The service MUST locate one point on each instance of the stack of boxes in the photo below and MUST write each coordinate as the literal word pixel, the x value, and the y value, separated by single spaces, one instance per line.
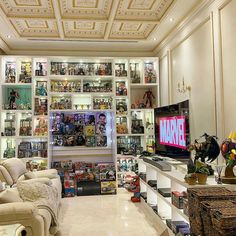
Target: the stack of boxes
pixel 84 178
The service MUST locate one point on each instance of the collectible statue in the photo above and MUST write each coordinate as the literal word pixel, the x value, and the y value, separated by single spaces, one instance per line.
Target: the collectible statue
pixel 12 99
pixel 148 96
pixel 208 149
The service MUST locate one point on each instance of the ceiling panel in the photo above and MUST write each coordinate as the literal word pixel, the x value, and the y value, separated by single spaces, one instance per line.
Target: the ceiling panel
pixel 27 8
pixel 84 29
pixel 35 28
pixel 131 30
pixel 142 9
pixel 85 9
pixel 134 23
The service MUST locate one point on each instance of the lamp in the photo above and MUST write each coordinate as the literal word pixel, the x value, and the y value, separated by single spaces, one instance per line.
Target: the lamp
pixel 182 87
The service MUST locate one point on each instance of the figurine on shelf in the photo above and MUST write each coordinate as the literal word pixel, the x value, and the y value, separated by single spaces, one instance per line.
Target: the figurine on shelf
pixel 41 89
pixel 148 95
pixel 12 99
pixel 133 185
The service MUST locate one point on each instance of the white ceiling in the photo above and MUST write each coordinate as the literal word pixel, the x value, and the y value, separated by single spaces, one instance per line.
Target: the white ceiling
pixel 88 27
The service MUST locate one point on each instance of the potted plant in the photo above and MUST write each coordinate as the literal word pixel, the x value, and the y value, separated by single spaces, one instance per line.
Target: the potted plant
pixel 191 178
pixel 202 173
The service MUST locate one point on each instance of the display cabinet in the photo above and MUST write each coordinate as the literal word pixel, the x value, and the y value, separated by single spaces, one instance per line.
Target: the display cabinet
pixel 37 91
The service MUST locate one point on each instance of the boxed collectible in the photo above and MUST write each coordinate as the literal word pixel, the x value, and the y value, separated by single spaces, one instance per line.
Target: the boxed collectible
pixel 121 88
pixel 177 225
pixel 25 73
pixel 152 183
pixel 177 199
pixel 149 73
pixel 10 72
pixel 88 188
pixel 120 70
pixel 108 187
pixel 41 68
pixel 41 88
pixel 135 74
pixel 165 192
pixel 9 125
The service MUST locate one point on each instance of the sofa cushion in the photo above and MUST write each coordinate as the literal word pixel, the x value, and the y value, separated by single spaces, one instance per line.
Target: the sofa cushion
pixel 29 175
pixel 15 168
pixel 5 176
pixel 10 195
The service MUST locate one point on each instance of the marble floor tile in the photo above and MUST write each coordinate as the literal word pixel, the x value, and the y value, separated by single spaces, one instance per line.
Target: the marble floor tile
pixel 107 215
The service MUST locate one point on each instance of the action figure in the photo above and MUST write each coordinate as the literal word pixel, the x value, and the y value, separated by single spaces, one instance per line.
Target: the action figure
pixel 12 99
pixel 133 185
pixel 149 96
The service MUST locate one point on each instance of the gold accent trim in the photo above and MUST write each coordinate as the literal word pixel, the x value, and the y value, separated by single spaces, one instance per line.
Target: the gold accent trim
pixel 26 5
pixel 74 5
pixel 39 27
pixel 135 8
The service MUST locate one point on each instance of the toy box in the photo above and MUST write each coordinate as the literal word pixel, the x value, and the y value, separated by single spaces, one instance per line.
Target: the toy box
pixel 177 199
pixel 108 187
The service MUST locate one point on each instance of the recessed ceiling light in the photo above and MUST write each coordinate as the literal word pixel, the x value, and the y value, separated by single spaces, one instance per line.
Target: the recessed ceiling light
pixel 8 36
pixel 155 39
pixel 171 19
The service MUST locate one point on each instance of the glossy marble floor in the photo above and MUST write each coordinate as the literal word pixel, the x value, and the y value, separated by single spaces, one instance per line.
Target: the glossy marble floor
pixel 110 215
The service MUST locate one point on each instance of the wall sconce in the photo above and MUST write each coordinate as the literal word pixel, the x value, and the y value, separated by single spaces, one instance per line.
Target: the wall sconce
pixel 182 87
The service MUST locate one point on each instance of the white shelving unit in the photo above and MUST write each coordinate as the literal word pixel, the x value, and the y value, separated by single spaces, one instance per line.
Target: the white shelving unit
pixel 130 78
pixel 21 78
pixel 174 180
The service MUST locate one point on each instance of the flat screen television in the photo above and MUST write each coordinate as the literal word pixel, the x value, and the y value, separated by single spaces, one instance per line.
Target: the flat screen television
pixel 172 131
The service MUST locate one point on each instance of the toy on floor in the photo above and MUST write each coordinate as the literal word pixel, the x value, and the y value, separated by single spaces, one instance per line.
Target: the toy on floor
pixel 133 185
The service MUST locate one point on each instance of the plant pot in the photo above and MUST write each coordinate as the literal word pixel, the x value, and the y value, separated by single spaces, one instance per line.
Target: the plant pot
pixel 202 178
pixel 191 181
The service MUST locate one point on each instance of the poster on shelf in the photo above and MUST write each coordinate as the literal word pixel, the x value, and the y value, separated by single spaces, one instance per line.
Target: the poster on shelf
pixel 101 123
pixel 101 141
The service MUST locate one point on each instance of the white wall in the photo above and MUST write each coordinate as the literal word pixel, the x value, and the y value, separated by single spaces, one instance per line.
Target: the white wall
pixel 228 36
pixel 164 83
pixel 193 60
pixel 203 51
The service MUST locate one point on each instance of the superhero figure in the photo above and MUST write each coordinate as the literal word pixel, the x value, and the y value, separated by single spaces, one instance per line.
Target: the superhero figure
pixel 149 96
pixel 134 187
pixel 12 98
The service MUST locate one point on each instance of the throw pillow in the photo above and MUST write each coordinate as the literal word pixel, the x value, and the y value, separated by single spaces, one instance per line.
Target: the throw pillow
pixel 29 175
pixel 10 195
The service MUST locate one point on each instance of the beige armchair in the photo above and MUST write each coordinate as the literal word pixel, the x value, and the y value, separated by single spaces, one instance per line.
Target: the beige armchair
pixel 13 210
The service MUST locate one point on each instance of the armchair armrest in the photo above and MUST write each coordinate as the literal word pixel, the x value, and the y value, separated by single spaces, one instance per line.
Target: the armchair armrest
pixel 25 214
pixel 17 211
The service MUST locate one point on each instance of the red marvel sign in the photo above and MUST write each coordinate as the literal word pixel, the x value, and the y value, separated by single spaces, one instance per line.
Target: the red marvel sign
pixel 172 131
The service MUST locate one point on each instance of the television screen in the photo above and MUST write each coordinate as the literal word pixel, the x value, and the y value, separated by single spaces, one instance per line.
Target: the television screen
pixel 172 130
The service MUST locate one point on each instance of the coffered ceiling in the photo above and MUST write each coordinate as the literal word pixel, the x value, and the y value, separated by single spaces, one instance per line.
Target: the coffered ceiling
pixel 130 22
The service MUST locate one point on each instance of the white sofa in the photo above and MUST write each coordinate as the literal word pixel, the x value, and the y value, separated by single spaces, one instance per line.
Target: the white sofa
pixel 14 210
